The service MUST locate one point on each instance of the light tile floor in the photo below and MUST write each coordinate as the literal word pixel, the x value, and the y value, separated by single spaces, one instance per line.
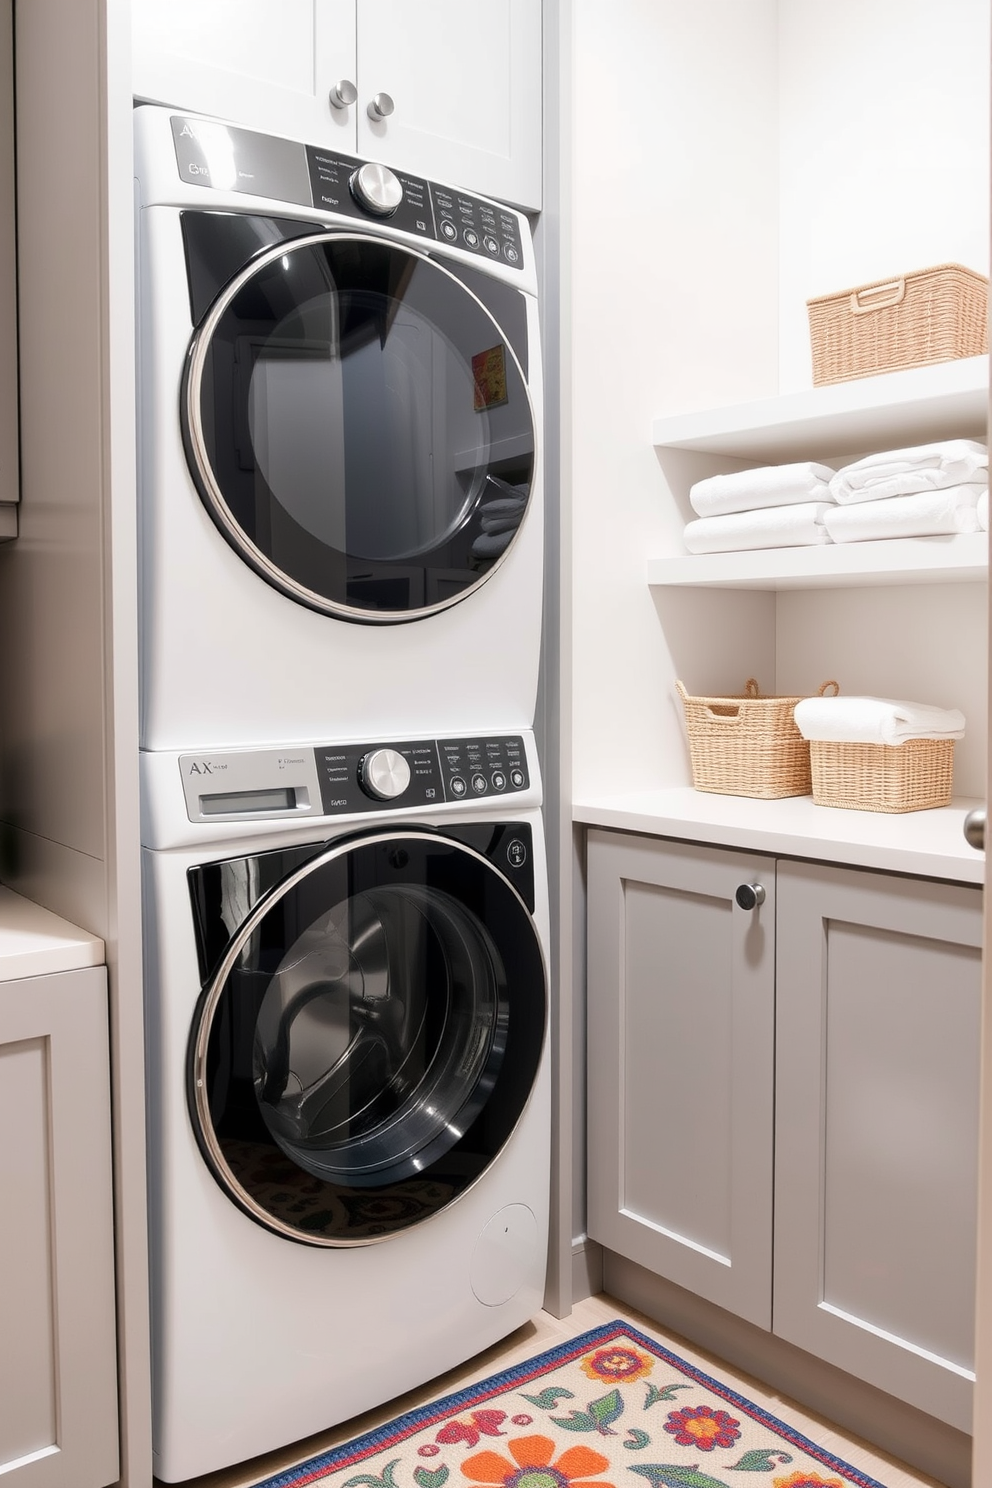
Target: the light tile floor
pixel 545 1332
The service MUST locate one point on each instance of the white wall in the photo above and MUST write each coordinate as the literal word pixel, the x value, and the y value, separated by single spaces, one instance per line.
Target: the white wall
pixel 674 289
pixel 884 149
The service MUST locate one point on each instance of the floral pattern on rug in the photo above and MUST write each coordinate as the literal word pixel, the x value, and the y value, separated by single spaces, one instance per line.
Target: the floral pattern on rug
pixel 609 1409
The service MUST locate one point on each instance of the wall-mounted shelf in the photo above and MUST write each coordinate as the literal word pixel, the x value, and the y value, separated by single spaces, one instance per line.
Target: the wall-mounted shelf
pixel 894 410
pixel 902 560
pixel 928 844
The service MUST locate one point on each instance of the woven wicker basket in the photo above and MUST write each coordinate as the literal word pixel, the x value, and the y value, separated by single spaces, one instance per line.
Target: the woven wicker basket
pixel 933 315
pixel 746 744
pixel 915 776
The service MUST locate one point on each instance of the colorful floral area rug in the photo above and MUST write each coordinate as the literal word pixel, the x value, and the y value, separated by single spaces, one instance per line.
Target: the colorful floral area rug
pixel 609 1409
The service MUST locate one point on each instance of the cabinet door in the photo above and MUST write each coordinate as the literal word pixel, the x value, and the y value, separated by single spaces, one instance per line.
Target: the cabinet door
pixel 58 1369
pixel 879 989
pixel 466 84
pixel 681 1032
pixel 267 67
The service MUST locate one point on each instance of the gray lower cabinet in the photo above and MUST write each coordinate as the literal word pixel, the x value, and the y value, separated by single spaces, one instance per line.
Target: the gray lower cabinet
pixel 58 1368
pixel 831 1034
pixel 876 1153
pixel 681 1066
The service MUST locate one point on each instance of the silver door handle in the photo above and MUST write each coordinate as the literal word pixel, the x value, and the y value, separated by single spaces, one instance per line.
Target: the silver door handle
pixel 380 108
pixel 749 896
pixel 974 828
pixel 343 94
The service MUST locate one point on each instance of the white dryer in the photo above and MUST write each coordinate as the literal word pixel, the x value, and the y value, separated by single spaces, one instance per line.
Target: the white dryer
pixel 348 1078
pixel 340 474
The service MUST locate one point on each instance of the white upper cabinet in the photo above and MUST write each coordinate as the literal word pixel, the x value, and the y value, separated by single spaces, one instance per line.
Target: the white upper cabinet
pixel 463 81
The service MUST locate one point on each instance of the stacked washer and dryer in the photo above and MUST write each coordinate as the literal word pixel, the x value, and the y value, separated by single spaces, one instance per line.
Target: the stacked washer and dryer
pixel 345 876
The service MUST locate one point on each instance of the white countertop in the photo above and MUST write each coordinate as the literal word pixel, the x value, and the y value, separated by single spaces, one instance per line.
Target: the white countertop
pixel 36 942
pixel 926 843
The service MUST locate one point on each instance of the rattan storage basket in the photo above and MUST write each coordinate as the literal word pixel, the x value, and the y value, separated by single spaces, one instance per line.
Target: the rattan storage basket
pixel 933 315
pixel 914 776
pixel 746 744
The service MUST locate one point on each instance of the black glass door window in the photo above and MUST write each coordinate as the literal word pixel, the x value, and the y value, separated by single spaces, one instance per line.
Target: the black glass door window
pixel 359 427
pixel 369 1040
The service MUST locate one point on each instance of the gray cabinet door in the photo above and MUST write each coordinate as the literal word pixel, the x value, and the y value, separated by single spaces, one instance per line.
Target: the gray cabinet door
pixel 58 1367
pixel 879 989
pixel 681 1030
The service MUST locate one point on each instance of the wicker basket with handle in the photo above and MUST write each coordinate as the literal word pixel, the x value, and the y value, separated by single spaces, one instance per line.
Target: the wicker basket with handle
pixel 913 776
pixel 933 315
pixel 746 744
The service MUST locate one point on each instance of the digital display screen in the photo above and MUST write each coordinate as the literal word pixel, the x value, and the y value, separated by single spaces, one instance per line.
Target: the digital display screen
pixel 243 801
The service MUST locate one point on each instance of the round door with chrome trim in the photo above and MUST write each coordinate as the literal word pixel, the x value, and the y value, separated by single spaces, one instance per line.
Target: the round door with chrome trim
pixel 369 1040
pixel 359 427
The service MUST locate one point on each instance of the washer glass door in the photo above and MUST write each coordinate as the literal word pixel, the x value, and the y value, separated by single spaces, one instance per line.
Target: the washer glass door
pixel 359 427
pixel 369 1040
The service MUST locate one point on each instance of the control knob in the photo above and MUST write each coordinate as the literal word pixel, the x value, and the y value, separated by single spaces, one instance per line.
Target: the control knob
pixel 377 189
pixel 384 774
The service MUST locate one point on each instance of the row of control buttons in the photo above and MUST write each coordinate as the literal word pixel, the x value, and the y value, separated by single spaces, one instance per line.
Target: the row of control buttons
pixel 458 786
pixel 471 240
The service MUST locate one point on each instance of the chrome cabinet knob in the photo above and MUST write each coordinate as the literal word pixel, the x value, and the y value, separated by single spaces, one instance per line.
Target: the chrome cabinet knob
pixel 384 774
pixel 749 896
pixel 380 108
pixel 974 828
pixel 343 94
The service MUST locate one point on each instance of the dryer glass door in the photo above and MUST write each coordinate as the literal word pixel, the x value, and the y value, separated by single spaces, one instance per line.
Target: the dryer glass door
pixel 359 427
pixel 370 1039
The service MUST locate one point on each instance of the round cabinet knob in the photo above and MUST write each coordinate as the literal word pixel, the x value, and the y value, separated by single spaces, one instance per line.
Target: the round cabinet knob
pixel 384 774
pixel 343 94
pixel 375 188
pixel 974 828
pixel 380 108
pixel 749 896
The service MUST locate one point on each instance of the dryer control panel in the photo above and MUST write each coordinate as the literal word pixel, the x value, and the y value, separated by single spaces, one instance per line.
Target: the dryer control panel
pixel 227 158
pixel 352 779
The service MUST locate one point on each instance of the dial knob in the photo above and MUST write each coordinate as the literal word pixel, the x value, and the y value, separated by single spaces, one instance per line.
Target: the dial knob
pixel 375 188
pixel 384 774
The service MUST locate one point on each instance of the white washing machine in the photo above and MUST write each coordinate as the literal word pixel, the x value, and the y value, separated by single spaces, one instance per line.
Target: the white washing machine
pixel 348 1077
pixel 339 466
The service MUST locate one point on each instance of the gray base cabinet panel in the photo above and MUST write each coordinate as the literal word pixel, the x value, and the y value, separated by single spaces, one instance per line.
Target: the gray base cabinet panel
pixel 681 1048
pixel 58 1366
pixel 879 1005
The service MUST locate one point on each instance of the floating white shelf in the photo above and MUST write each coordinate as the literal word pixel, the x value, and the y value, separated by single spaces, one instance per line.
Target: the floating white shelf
pixel 893 410
pixel 928 844
pixel 902 560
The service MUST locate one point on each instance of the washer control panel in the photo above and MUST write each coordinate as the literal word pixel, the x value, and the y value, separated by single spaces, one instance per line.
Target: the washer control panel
pixel 351 779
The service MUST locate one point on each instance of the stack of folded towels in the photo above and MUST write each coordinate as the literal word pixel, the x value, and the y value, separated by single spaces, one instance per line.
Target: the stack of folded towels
pixel 778 506
pixel 926 491
pixel 929 490
pixel 873 720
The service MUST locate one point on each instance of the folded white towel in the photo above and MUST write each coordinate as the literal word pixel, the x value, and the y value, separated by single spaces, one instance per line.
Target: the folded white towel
pixel 983 511
pixel 929 514
pixel 925 467
pixel 771 485
pixel 774 527
pixel 872 720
